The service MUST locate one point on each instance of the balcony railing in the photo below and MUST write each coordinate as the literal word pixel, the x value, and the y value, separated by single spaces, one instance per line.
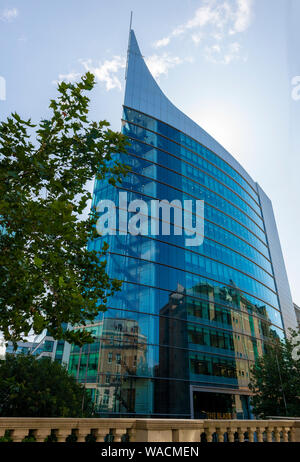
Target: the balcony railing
pixel 148 430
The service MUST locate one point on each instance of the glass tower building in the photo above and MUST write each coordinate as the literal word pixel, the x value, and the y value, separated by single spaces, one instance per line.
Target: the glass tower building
pixel 179 339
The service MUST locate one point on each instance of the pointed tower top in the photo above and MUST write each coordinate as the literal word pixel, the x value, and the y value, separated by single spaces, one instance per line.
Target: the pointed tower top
pixel 132 45
pixel 143 94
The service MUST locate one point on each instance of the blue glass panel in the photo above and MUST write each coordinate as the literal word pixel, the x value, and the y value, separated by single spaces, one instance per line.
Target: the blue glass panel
pixel 182 187
pixel 172 154
pixel 179 137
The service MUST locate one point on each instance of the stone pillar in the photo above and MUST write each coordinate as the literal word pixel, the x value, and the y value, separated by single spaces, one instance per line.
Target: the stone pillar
pixel 220 432
pixel 100 434
pixel 231 433
pixel 277 431
pixel 293 435
pixel 260 431
pixel 250 431
pixel 81 434
pixel 118 433
pixel 41 434
pixel 241 435
pixel 269 434
pixel 62 434
pixel 19 434
pixel 209 435
pixel 285 434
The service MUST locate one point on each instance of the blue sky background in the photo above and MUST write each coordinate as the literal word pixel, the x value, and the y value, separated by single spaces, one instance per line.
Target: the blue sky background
pixel 228 64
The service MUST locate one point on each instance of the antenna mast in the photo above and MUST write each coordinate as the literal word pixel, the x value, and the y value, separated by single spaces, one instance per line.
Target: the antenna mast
pixel 130 26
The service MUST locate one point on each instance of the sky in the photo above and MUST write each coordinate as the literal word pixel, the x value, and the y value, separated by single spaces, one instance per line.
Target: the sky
pixel 233 66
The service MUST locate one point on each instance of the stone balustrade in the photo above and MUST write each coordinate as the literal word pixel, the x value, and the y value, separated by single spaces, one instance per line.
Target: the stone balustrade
pixel 149 430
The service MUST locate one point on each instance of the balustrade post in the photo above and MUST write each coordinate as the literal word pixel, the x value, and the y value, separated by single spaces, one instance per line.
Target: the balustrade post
pixel 250 431
pixel 81 434
pixel 209 435
pixel 285 434
pixel 19 434
pixel 61 434
pixel 118 433
pixel 269 435
pixel 41 434
pixel 230 433
pixel 241 435
pixel 293 435
pixel 260 436
pixel 220 432
pixel 100 434
pixel 277 431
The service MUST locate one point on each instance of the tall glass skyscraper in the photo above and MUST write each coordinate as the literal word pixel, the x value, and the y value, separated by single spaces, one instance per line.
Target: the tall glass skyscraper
pixel 180 337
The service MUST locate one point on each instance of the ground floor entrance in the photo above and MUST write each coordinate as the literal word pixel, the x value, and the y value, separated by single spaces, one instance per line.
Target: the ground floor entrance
pixel 219 405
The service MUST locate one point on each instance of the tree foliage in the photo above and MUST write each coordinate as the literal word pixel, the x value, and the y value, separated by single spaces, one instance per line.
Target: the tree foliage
pixel 275 380
pixel 47 274
pixel 40 388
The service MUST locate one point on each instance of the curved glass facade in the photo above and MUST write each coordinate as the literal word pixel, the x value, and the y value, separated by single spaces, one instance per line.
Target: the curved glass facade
pixel 189 321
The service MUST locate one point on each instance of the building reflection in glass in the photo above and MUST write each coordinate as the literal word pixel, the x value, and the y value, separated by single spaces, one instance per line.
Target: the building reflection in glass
pixel 192 358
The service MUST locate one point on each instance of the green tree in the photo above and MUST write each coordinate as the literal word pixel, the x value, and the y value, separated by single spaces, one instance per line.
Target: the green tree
pixel 47 274
pixel 40 388
pixel 275 380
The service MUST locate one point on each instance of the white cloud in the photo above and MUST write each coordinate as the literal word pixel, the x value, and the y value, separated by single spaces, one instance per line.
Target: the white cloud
pixel 162 43
pixel 197 37
pixel 160 64
pixel 243 16
pixel 204 15
pixel 107 72
pixel 217 36
pixel 232 53
pixel 224 54
pixel 9 14
pixel 215 20
pixel 70 77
